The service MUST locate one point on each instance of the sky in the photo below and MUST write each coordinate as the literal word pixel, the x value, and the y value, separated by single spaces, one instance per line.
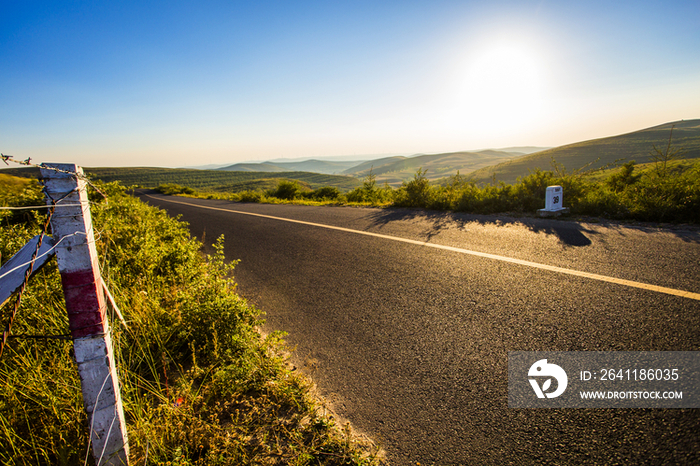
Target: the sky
pixel 178 83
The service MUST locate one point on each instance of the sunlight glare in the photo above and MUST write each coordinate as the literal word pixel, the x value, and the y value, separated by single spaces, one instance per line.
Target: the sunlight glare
pixel 503 83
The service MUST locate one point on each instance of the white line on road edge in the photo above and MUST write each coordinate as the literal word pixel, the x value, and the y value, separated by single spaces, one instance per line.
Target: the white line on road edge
pixel 551 268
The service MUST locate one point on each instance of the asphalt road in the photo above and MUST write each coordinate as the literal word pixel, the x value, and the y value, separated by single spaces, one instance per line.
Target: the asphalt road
pixel 410 342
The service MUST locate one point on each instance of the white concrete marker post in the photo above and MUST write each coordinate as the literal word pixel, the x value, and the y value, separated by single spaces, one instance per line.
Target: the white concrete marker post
pixel 86 306
pixel 553 202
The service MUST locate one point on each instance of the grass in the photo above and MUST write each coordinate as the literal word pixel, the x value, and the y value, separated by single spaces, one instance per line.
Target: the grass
pixel 200 384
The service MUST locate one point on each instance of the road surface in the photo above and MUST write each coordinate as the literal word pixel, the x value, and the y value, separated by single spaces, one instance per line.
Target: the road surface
pixel 404 320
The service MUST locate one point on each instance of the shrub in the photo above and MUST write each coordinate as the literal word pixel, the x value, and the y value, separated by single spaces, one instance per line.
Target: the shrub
pixel 669 197
pixel 173 189
pixel 603 201
pixel 287 190
pixel 621 180
pixel 369 193
pixel 415 193
pixel 249 196
pixel 327 192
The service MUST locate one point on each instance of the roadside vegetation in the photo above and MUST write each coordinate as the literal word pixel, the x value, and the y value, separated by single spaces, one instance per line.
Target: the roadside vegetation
pixel 671 194
pixel 200 384
pixel 666 190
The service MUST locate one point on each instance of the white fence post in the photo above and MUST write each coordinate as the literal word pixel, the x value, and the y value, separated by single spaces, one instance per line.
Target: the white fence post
pixel 86 306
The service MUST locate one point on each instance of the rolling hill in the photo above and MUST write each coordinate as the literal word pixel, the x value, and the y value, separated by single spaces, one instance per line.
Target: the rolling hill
pixel 375 165
pixel 394 170
pixel 203 180
pixel 253 167
pixel 637 145
pixel 316 166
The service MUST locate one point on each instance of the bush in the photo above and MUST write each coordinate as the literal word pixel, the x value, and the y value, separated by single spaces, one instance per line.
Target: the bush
pixel 287 190
pixel 325 193
pixel 249 196
pixel 623 179
pixel 666 198
pixel 173 189
pixel 369 193
pixel 415 193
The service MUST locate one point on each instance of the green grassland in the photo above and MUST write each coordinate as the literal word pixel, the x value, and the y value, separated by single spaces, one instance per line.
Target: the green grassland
pixel 200 384
pixel 599 153
pixel 203 180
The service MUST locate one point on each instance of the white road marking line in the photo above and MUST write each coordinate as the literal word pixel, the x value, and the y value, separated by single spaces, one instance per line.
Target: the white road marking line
pixel 551 268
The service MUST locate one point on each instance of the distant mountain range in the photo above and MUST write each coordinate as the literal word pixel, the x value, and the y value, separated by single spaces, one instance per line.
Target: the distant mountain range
pixel 392 169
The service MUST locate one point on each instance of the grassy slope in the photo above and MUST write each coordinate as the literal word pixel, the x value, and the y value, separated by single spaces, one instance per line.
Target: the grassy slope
pixel 674 167
pixel 600 152
pixel 202 180
pixel 394 170
pixel 375 165
pixel 253 167
pixel 316 166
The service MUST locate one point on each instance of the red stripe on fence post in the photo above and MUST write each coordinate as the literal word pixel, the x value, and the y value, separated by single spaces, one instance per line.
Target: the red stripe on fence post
pixel 86 306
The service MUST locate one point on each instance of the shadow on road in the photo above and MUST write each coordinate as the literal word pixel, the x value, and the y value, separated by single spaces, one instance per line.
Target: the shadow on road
pixel 569 233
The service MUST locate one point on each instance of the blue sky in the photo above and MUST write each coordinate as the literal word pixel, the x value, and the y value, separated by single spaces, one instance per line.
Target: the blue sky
pixel 191 83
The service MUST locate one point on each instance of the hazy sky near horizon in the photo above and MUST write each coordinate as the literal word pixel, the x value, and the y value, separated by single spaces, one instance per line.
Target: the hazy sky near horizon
pixel 190 83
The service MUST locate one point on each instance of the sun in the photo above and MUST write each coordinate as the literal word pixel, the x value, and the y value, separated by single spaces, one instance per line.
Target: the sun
pixel 502 81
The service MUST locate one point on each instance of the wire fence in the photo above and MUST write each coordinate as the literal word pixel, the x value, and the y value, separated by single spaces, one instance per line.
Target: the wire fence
pixel 52 206
pixel 28 162
pixel 8 326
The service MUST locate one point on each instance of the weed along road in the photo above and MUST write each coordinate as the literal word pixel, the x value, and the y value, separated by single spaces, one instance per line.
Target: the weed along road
pixel 405 320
